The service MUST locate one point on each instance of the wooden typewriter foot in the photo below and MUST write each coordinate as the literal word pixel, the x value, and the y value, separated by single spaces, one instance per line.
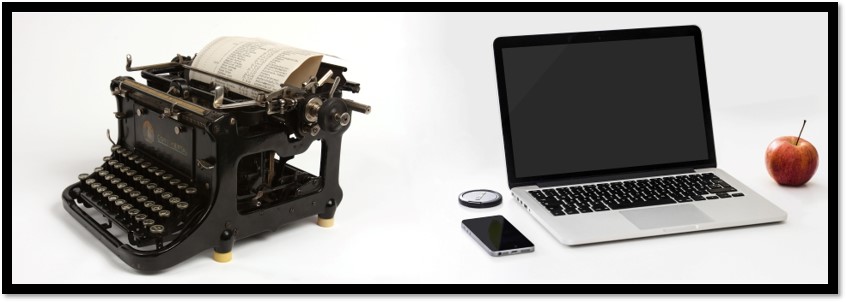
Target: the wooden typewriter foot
pixel 223 250
pixel 222 257
pixel 325 222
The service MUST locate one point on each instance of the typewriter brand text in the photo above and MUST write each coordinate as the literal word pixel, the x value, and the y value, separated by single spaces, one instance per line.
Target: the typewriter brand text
pixel 171 144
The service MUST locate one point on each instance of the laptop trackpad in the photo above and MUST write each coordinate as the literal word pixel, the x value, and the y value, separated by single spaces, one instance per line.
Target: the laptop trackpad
pixel 669 216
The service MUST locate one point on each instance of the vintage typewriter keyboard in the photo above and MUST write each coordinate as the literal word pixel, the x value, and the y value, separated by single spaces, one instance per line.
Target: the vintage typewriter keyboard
pixel 150 203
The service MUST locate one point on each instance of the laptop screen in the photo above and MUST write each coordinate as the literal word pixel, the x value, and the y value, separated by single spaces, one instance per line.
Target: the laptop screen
pixel 603 105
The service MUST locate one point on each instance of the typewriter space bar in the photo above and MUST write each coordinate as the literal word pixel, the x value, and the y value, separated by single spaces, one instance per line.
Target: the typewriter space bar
pixel 628 205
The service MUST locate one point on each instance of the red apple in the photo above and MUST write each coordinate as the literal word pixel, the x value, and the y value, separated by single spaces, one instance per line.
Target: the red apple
pixel 791 160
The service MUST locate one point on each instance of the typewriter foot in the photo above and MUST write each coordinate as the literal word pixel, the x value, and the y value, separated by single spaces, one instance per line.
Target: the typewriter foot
pixel 222 257
pixel 325 222
pixel 223 250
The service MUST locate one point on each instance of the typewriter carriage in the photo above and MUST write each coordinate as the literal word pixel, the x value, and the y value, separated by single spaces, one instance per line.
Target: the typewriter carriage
pixel 225 149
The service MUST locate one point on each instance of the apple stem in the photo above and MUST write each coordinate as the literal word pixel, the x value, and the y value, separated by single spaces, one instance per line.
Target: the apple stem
pixel 800 132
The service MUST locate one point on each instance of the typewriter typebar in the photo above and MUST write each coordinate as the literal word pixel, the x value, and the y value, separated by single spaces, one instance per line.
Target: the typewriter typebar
pixel 197 166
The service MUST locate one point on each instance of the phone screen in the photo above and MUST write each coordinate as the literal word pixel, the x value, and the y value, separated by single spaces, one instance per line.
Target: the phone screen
pixel 497 234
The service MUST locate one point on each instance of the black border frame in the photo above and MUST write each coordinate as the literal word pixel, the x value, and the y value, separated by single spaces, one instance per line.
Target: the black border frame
pixel 596 36
pixel 716 290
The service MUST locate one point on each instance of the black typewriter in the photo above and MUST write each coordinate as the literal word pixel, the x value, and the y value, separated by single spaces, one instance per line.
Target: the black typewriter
pixel 197 166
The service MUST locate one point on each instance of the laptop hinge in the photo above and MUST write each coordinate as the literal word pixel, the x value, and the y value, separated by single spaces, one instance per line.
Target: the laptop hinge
pixel 612 177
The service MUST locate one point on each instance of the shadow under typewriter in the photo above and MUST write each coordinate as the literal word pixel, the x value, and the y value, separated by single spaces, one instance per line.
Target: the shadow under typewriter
pixel 197 166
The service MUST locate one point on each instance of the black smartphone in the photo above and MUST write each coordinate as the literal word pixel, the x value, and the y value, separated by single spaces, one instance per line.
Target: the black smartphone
pixel 497 235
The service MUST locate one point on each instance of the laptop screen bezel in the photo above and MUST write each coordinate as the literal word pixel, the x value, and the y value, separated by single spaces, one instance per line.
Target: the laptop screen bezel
pixel 597 36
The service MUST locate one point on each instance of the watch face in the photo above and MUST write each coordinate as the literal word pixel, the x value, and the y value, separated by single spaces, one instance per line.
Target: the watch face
pixel 480 198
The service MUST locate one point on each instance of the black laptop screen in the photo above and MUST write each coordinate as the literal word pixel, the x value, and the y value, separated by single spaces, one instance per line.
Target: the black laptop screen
pixel 604 105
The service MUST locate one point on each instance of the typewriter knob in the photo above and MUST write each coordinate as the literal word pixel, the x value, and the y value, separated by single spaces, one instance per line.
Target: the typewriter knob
pixel 312 109
pixel 334 115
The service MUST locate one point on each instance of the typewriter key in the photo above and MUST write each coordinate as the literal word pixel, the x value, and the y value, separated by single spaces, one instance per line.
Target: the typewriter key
pixel 167 176
pixel 140 217
pixel 115 148
pixel 90 181
pixel 174 181
pixel 122 186
pixel 157 229
pixel 124 169
pixel 96 185
pixel 151 186
pixel 100 189
pixel 113 198
pixel 164 213
pixel 136 177
pixel 125 153
pixel 174 200
pixel 134 194
pixel 126 206
pixel 121 149
pixel 98 169
pixel 83 176
pixel 182 205
pixel 149 203
pixel 156 208
pixel 118 165
pixel 148 222
pixel 160 172
pixel 107 158
pixel 120 202
pixel 191 191
pixel 158 191
pixel 141 198
pixel 144 181
pixel 128 189
pixel 103 173
pixel 146 164
pixel 132 157
pixel 115 180
pixel 182 186
pixel 138 160
pixel 166 195
pixel 112 162
pixel 152 169
pixel 109 176
pixel 108 193
pixel 133 212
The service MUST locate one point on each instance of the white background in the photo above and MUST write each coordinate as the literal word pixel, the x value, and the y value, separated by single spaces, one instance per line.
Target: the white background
pixel 433 133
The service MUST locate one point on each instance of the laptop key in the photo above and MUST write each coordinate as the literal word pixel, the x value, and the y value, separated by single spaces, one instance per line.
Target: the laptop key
pixel 641 204
pixel 737 194
pixel 721 190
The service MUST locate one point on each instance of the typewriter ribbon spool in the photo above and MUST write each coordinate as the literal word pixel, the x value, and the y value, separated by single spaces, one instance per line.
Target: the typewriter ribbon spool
pixel 195 163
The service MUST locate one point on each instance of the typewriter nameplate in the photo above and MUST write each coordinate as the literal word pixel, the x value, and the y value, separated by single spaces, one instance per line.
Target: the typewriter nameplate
pixel 157 136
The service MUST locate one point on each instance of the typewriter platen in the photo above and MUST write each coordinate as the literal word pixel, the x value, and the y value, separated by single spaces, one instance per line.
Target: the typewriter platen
pixel 196 166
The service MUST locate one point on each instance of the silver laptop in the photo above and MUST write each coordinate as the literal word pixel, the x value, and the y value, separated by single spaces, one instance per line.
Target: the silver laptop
pixel 608 136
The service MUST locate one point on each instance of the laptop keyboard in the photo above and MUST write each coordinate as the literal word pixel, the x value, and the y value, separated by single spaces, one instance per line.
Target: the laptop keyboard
pixel 620 195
